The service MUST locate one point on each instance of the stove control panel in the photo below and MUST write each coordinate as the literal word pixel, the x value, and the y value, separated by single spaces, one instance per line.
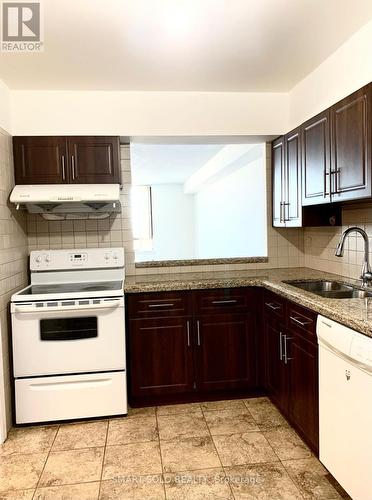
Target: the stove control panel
pixel 87 258
pixel 78 258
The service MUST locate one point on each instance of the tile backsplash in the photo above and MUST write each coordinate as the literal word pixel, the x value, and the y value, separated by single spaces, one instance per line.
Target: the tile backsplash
pixel 320 243
pixel 285 247
pixel 13 260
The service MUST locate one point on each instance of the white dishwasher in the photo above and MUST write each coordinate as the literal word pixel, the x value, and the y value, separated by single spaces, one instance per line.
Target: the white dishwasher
pixel 345 406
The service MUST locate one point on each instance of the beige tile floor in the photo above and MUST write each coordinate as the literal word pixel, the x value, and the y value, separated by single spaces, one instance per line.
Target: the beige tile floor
pixel 241 449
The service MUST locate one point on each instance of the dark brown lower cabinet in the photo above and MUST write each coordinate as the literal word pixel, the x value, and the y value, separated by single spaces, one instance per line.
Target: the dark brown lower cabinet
pixel 225 352
pixel 303 382
pixel 206 344
pixel 277 381
pixel 191 344
pixel 161 358
pixel 291 370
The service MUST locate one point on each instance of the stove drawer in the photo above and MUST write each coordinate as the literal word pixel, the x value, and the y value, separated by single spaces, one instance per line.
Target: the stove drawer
pixel 46 399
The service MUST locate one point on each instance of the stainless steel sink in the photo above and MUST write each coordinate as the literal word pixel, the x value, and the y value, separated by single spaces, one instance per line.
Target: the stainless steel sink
pixel 331 289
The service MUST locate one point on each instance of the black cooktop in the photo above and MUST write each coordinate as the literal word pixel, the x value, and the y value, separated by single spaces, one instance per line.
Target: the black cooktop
pixel 102 286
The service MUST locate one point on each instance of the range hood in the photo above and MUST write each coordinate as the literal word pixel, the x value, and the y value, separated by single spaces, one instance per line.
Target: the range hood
pixel 64 199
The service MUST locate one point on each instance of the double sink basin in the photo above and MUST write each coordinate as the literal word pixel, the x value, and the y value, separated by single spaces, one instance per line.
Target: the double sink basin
pixel 331 289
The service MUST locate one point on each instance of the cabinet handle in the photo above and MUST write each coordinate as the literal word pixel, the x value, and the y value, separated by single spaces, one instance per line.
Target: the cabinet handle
pixel 188 333
pixel 335 182
pixel 273 306
pixel 325 192
pixel 302 323
pixel 286 358
pixel 281 346
pixel 161 305
pixel 198 332
pixel 286 204
pixel 63 167
pixel 232 301
pixel 281 218
pixel 73 166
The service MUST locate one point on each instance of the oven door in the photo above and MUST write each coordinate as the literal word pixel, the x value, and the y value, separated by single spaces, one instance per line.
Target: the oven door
pixel 68 338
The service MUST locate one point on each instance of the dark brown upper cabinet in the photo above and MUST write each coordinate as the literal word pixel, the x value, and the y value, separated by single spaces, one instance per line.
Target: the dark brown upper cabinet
pixel 286 181
pixel 40 160
pixel 336 151
pixel 278 184
pixel 316 160
pixel 325 160
pixel 292 185
pixel 94 159
pixel 351 146
pixel 57 160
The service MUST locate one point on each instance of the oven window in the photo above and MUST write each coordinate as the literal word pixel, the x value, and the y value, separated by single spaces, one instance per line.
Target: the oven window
pixel 68 328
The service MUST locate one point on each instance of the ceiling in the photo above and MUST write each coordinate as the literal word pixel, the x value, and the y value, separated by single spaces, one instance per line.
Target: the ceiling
pixel 190 45
pixel 168 163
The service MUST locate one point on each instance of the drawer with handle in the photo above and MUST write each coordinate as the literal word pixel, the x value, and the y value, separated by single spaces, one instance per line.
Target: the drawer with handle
pixel 274 304
pixel 150 305
pixel 301 319
pixel 223 300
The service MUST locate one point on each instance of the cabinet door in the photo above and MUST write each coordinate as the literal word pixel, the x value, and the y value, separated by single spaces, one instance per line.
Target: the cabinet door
pixel 225 352
pixel 40 160
pixel 277 181
pixel 303 368
pixel 277 381
pixel 292 180
pixel 351 146
pixel 316 158
pixel 160 356
pixel 94 160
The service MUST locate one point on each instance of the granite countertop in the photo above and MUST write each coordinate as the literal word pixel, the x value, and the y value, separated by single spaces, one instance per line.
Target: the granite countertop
pixel 355 313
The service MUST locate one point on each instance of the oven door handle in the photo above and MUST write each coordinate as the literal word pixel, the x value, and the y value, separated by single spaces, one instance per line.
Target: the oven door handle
pixel 112 304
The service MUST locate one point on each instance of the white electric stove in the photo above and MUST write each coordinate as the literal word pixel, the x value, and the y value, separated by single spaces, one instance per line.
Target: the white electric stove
pixel 68 331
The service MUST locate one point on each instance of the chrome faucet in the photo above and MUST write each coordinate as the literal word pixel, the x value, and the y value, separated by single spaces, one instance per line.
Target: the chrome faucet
pixel 366 275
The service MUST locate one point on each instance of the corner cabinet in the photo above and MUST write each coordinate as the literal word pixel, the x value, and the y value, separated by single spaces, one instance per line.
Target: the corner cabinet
pixel 61 160
pixel 286 173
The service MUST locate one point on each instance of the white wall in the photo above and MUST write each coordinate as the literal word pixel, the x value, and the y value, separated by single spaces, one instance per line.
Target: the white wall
pixel 148 113
pixel 191 113
pixel 4 107
pixel 173 223
pixel 345 71
pixel 231 214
